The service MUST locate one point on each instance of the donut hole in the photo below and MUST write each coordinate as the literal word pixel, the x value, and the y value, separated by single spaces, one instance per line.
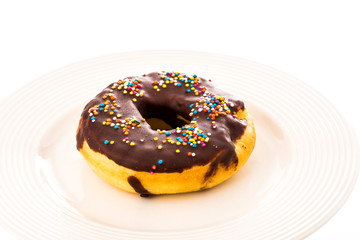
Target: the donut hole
pixel 163 118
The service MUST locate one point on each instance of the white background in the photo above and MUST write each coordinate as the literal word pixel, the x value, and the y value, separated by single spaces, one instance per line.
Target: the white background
pixel 315 41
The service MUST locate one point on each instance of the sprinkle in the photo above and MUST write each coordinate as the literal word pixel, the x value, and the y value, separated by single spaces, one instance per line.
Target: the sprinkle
pixel 168 133
pixel 177 151
pixel 159 147
pixel 132 144
pixel 153 167
pixel 193 154
pixel 142 140
pixel 155 139
pixel 160 161
pixel 106 142
pixel 189 153
pixel 151 172
pixel 134 99
pixel 111 142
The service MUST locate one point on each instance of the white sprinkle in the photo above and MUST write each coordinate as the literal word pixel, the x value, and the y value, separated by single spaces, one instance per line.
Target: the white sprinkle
pixel 193 154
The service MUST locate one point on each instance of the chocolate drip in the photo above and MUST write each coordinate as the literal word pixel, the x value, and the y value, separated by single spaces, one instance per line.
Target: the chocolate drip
pixel 138 187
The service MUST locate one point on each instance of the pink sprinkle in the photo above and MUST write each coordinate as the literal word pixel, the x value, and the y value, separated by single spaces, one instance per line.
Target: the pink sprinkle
pixel 203 144
pixel 144 75
pixel 151 173
pixel 234 116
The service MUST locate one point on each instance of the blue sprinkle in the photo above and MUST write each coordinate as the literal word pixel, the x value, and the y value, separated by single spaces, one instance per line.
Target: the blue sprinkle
pixel 115 111
pixel 167 72
pixel 195 76
pixel 100 109
pixel 191 105
pixel 168 133
pixel 106 142
pixel 195 112
pixel 92 118
pixel 188 90
pixel 183 80
pixel 160 161
pixel 116 127
pixel 194 119
pixel 166 79
pixel 184 134
pixel 179 84
pixel 102 105
pixel 209 110
pixel 207 118
pixel 194 145
pixel 191 85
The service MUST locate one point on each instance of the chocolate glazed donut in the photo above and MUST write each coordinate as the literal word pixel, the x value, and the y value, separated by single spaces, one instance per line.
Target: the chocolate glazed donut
pixel 165 132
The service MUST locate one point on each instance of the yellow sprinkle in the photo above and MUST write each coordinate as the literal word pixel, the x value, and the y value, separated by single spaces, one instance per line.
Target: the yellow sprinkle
pixel 155 138
pixel 126 133
pixel 178 143
pixel 108 120
pixel 177 150
pixel 119 115
pixel 111 142
pixel 124 92
pixel 155 87
pixel 160 147
pixel 111 113
pixel 164 85
pixel 134 100
pixel 131 93
pixel 104 123
pixel 158 90
pixel 164 141
pixel 132 144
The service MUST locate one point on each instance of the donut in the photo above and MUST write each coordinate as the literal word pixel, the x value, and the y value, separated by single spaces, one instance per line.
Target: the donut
pixel 165 133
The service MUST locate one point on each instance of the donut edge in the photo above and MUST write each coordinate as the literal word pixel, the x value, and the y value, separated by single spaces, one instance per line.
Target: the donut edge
pixel 189 180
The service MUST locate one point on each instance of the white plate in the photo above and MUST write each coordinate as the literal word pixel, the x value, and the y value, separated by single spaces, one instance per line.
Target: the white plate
pixel 302 170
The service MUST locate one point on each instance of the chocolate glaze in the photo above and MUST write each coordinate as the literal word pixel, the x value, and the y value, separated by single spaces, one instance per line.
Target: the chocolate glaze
pixel 138 187
pixel 165 104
